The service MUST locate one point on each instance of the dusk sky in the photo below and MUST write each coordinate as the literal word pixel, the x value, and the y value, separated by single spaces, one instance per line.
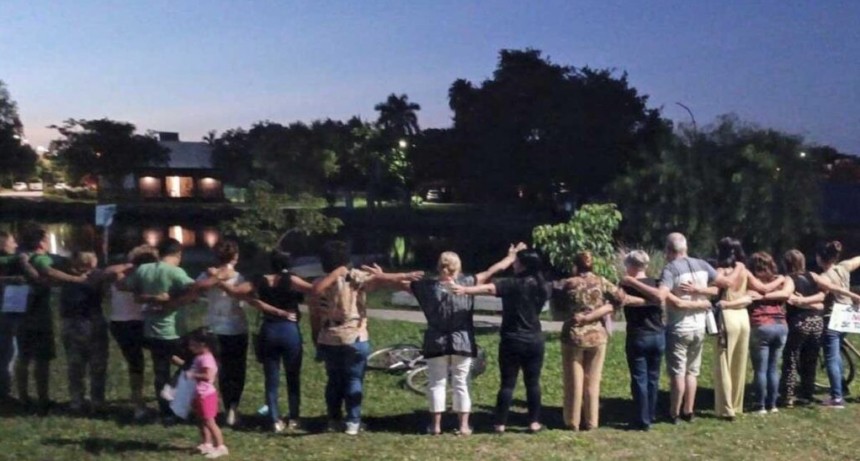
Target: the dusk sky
pixel 191 66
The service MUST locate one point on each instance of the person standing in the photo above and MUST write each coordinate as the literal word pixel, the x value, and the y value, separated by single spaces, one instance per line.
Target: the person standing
pixel 804 314
pixel 228 322
pixel 204 370
pixel 163 287
pixel 339 325
pixel 12 275
pixel 688 279
pixel 449 341
pixel 835 278
pixel 522 341
pixel 769 332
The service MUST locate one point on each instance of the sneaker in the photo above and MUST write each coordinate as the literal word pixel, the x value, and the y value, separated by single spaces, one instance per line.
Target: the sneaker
pixel 218 452
pixel 205 448
pixel 837 404
pixel 352 428
pixel 293 424
pixel 279 427
pixel 760 411
pixel 231 417
pixel 774 410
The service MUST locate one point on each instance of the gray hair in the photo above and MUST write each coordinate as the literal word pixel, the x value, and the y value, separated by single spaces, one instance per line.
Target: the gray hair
pixel 676 242
pixel 637 258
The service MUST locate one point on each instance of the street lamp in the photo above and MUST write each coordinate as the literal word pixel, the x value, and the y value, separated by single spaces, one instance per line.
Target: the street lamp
pixel 803 155
pixel 403 144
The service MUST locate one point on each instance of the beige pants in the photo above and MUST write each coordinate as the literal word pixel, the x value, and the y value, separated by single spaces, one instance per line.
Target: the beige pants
pixel 583 369
pixel 730 368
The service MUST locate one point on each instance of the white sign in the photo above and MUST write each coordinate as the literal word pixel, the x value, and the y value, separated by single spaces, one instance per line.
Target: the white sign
pixel 15 298
pixel 845 318
pixel 104 214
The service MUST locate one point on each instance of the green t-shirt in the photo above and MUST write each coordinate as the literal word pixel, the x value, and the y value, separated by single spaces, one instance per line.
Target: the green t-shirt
pixel 38 316
pixel 154 279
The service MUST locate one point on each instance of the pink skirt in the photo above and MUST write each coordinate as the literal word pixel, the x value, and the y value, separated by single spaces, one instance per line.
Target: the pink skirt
pixel 206 406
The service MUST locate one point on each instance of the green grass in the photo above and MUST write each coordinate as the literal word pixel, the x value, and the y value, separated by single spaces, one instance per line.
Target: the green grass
pixel 395 418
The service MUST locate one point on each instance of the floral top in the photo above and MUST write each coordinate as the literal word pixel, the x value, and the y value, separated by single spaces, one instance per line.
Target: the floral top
pixel 341 311
pixel 584 294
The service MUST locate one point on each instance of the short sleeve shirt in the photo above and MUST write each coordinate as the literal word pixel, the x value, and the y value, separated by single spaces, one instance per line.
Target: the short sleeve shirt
pixel 153 279
pixel 38 316
pixel 342 310
pixel 205 362
pixel 678 272
pixel 225 315
pixel 521 307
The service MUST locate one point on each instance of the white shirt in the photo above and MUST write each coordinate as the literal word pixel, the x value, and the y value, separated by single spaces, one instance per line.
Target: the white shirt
pixel 122 306
pixel 226 315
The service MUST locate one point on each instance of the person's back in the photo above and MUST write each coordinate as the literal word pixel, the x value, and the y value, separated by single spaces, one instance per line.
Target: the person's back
pixel 687 270
pixel 449 317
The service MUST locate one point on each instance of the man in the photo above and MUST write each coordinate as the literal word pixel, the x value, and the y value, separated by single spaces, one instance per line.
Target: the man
pixel 35 336
pixel 687 279
pixel 154 284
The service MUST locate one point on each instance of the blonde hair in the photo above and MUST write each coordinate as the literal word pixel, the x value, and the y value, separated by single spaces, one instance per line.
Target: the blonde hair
pixel 83 261
pixel 637 258
pixel 449 264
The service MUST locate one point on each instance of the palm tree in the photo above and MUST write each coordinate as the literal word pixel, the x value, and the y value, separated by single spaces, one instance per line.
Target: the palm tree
pixel 397 116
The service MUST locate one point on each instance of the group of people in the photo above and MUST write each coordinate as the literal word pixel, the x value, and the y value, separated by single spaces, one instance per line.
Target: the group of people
pixel 760 314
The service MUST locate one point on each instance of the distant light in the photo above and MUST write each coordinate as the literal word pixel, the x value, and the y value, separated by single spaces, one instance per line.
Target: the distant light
pixel 803 155
pixel 41 149
pixel 403 144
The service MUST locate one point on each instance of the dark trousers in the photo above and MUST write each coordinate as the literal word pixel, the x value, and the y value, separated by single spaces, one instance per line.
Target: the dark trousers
pixel 282 345
pixel 8 330
pixel 129 337
pixel 644 356
pixel 800 361
pixel 345 367
pixel 86 343
pixel 233 362
pixel 161 350
pixel 516 355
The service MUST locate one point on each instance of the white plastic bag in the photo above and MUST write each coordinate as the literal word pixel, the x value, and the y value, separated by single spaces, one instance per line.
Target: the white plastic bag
pixel 183 396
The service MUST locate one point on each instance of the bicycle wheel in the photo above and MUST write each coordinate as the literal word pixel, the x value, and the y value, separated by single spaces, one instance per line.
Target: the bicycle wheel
pixel 417 380
pixel 393 358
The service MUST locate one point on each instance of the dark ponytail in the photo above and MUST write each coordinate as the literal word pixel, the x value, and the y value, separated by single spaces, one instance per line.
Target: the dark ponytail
pixel 532 264
pixel 830 251
pixel 730 252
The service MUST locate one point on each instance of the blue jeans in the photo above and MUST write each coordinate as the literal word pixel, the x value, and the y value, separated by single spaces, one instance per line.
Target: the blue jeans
pixel 345 367
pixel 282 344
pixel 766 346
pixel 8 330
pixel 831 342
pixel 644 356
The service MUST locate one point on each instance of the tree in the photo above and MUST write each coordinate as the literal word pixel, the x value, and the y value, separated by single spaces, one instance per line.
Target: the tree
pixel 536 126
pixel 17 158
pixel 731 179
pixel 106 148
pixel 269 217
pixel 398 117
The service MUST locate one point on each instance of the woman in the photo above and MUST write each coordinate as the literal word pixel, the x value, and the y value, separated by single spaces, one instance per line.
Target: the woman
pixel 588 298
pixel 730 368
pixel 227 321
pixel 126 326
pixel 835 278
pixel 339 323
pixel 449 341
pixel 769 332
pixel 805 317
pixel 522 342
pixel 277 297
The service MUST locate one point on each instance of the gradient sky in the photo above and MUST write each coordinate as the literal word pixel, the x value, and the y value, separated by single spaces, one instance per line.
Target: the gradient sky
pixel 191 66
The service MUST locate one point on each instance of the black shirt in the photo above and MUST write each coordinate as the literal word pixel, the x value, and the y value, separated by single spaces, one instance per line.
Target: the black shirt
pixel 280 296
pixel 647 318
pixel 80 301
pixel 522 301
pixel 806 286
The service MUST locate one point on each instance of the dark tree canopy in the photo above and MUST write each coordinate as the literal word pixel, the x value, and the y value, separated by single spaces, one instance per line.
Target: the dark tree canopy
pixel 17 159
pixel 537 124
pixel 106 148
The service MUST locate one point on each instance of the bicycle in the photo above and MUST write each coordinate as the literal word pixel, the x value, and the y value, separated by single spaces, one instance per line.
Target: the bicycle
pixel 848 351
pixel 410 358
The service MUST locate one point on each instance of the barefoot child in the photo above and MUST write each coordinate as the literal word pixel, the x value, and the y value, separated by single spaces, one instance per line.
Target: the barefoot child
pixel 204 370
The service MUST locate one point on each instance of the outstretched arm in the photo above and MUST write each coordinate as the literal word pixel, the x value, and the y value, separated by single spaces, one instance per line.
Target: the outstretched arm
pixel 831 287
pixel 485 289
pixel 503 264
pixel 379 278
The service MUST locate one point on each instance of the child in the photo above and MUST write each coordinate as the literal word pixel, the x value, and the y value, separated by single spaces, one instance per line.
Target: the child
pixel 204 370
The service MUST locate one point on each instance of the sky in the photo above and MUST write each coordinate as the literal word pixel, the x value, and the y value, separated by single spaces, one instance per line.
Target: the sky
pixel 193 66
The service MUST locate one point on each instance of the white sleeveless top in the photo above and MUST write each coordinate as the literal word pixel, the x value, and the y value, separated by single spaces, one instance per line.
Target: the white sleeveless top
pixel 226 315
pixel 122 306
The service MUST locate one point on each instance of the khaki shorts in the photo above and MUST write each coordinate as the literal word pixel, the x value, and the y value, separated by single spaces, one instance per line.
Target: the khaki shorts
pixel 684 352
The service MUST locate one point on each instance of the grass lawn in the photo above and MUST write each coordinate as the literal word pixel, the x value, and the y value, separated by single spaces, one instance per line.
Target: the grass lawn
pixel 395 418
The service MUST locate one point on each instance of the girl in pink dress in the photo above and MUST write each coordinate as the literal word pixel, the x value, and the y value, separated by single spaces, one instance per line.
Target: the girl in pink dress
pixel 204 371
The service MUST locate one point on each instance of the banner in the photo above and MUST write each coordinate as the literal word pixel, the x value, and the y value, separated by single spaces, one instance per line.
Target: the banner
pixel 845 318
pixel 15 298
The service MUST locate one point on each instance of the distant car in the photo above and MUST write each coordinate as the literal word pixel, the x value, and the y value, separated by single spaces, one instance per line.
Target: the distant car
pixel 61 186
pixel 35 185
pixel 19 186
pixel 433 195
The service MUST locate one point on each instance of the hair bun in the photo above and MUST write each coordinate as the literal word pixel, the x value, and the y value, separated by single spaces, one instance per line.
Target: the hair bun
pixel 837 245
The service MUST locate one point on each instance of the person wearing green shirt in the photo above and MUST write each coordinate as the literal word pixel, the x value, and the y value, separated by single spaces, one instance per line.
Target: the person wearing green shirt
pixel 153 285
pixel 36 328
pixel 11 273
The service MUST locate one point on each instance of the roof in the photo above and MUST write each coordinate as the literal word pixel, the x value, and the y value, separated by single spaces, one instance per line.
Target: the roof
pixel 188 154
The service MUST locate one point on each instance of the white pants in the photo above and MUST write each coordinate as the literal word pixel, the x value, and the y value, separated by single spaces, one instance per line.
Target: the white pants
pixel 437 370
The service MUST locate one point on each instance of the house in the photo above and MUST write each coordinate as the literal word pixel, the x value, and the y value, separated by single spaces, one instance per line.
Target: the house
pixel 188 176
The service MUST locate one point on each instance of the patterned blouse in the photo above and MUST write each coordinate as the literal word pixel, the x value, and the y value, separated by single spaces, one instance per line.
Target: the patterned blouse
pixel 341 311
pixel 584 294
